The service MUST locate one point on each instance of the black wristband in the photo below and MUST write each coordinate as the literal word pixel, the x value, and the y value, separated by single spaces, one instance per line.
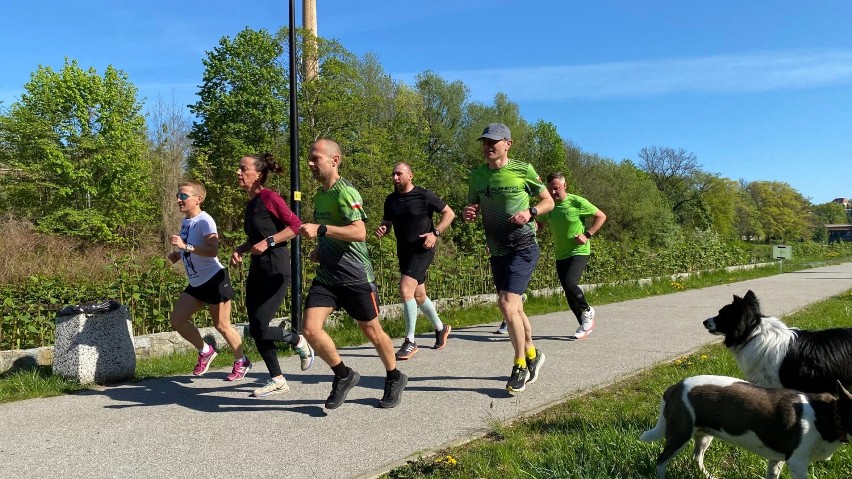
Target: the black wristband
pixel 587 234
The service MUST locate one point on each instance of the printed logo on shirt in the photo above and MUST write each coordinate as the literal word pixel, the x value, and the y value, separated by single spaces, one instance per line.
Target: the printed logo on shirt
pixel 356 205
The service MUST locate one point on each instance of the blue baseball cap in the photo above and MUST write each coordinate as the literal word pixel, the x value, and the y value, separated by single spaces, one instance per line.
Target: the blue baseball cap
pixel 496 131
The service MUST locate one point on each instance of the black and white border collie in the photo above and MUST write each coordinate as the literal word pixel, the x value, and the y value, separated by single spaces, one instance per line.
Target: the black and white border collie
pixel 771 354
pixel 777 424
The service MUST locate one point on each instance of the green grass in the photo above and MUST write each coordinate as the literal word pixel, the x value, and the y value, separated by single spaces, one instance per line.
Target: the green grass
pixel 596 435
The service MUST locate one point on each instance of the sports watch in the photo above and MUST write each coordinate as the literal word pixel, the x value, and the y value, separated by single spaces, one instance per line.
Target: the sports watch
pixel 533 212
pixel 436 232
pixel 270 241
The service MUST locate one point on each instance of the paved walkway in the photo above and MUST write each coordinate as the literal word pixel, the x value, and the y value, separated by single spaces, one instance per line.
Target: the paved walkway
pixel 194 427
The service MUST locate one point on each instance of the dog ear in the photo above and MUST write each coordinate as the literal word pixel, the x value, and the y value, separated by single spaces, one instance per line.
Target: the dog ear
pixel 842 393
pixel 737 299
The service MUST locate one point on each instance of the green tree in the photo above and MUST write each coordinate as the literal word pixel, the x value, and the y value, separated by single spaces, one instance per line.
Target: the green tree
pixel 784 212
pixel 242 110
pixel 746 215
pixel 635 209
pixel 79 139
pixel 827 214
pixel 720 203
pixel 679 177
pixel 548 153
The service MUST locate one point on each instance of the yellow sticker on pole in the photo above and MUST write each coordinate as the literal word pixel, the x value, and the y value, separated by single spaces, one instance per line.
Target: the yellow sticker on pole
pixel 297 196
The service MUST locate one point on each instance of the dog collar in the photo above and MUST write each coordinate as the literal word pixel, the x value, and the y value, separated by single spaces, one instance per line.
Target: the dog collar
pixel 838 425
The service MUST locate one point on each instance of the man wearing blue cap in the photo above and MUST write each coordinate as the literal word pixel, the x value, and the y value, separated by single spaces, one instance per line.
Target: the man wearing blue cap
pixel 501 190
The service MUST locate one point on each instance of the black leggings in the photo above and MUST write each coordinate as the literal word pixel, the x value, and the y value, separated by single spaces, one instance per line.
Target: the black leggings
pixel 569 271
pixel 264 295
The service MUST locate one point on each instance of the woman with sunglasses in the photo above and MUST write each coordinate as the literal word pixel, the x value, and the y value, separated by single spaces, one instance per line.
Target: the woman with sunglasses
pixel 269 224
pixel 209 282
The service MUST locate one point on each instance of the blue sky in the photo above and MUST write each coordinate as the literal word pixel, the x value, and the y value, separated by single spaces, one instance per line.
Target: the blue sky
pixel 758 90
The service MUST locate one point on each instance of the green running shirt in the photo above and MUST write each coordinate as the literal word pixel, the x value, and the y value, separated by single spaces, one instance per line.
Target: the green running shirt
pixel 500 194
pixel 341 262
pixel 566 222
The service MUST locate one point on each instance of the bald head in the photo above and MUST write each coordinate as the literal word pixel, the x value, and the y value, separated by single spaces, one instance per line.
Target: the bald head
pixel 329 147
pixel 324 161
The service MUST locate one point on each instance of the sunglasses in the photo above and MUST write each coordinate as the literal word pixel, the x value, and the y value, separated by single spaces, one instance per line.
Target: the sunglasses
pixel 183 196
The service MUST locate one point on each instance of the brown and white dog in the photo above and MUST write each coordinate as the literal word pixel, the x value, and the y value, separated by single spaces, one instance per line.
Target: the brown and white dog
pixel 778 424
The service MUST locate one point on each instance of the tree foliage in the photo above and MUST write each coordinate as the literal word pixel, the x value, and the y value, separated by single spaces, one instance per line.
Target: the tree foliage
pixel 79 141
pixel 784 212
pixel 679 177
pixel 242 110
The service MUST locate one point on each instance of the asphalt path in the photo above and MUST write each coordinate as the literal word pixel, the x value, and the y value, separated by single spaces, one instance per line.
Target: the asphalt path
pixel 195 427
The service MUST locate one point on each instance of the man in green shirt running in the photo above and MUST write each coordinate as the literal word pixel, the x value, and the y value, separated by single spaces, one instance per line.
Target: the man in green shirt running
pixel 344 277
pixel 500 191
pixel 571 238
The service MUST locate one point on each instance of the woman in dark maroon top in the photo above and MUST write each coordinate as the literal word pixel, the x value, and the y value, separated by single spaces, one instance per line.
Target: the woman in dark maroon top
pixel 269 225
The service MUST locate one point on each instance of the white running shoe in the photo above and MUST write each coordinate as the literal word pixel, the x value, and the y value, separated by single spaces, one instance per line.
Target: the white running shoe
pixel 588 324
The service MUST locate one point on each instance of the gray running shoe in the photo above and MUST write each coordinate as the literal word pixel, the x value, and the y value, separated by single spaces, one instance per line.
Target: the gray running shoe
pixel 271 387
pixel 408 349
pixel 502 329
pixel 441 337
pixel 305 352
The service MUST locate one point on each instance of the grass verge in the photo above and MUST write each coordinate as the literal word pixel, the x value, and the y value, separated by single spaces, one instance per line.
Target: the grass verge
pixel 595 436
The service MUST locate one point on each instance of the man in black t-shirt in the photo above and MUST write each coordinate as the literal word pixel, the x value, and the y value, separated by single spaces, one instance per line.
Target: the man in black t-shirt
pixel 409 209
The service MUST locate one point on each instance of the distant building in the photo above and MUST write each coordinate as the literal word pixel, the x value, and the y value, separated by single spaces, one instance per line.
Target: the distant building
pixel 839 233
pixel 843 201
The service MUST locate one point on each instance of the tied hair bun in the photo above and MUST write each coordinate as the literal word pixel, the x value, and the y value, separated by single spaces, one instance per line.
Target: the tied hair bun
pixel 270 163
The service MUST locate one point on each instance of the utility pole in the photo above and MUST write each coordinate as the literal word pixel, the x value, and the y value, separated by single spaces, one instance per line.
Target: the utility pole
pixel 309 52
pixel 295 187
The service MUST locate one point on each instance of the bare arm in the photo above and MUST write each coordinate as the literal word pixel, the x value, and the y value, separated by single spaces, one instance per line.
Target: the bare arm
pixel 209 248
pixel 353 232
pixel 447 217
pixel 384 228
pixel 544 205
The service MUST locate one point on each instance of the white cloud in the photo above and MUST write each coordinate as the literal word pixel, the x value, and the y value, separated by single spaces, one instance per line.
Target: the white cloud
pixel 713 74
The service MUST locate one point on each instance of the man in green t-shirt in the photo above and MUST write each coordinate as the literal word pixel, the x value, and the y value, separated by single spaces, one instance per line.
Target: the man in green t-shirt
pixel 571 239
pixel 344 277
pixel 501 190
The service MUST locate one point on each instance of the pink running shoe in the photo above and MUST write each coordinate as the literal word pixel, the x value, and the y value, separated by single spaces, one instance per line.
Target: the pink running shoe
pixel 204 361
pixel 241 368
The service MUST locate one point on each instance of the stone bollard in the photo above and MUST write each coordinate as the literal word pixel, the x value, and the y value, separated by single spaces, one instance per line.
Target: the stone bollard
pixel 94 343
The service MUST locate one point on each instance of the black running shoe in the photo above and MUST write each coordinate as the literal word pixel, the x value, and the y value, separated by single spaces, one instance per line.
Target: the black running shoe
pixel 340 388
pixel 393 391
pixel 534 365
pixel 518 379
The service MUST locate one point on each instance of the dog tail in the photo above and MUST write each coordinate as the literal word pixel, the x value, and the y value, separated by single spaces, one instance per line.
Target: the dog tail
pixel 659 430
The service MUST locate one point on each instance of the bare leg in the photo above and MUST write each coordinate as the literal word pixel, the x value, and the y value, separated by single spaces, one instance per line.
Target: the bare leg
pixel 313 331
pixel 181 317
pixel 520 330
pixel 380 339
pixel 221 314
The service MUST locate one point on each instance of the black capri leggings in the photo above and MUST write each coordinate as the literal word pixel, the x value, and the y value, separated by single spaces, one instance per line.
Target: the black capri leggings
pixel 264 295
pixel 569 271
